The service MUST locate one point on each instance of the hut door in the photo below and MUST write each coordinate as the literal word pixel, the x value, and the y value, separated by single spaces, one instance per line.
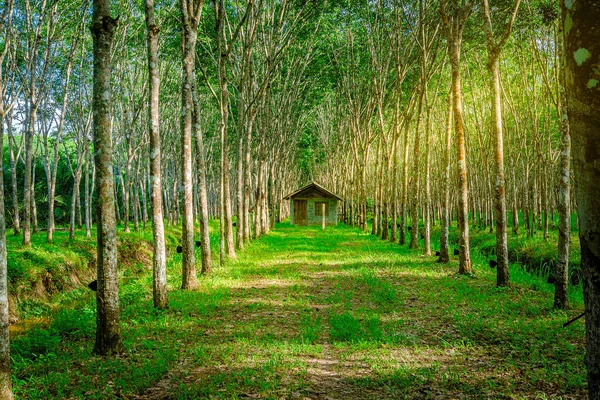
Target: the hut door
pixel 300 214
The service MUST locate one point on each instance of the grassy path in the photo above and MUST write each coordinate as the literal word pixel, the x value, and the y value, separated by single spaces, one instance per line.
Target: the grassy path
pixel 321 315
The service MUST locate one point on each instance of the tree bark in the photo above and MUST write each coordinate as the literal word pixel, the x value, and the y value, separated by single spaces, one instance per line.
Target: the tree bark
pixel 223 62
pixel 14 160
pixel 34 220
pixel 29 133
pixel 427 203
pixel 108 331
pixel 454 29
pixel 416 177
pixel 75 196
pixel 191 12
pixel 201 179
pixel 5 373
pixel 582 53
pixel 445 214
pixel 502 272
pixel 561 270
pixel 159 257
pixel 494 49
pixel 248 180
pixel 239 232
pixel 88 196
pixel 5 379
pixel 404 194
pixel 52 165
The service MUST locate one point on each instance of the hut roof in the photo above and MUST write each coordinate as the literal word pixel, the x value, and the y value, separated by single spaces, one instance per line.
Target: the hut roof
pixel 311 189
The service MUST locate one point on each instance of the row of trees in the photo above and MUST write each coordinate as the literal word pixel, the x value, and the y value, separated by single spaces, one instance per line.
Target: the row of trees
pixel 441 114
pixel 422 133
pixel 185 111
pixel 144 119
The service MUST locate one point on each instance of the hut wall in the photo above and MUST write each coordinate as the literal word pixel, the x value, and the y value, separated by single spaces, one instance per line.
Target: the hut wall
pixel 312 218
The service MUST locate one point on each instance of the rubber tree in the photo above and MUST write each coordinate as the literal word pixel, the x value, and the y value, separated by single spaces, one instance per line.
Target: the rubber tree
pixel 108 329
pixel 203 193
pixel 495 45
pixel 191 11
pixel 561 286
pixel 159 257
pixel 582 77
pixel 445 215
pixel 39 27
pixel 5 381
pixel 454 16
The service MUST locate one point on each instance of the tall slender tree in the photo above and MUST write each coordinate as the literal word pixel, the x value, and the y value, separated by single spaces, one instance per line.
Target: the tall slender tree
pixel 159 264
pixel 494 49
pixel 51 159
pixel 224 48
pixel 582 53
pixel 445 214
pixel 5 380
pixel 454 15
pixel 561 286
pixel 203 194
pixel 108 329
pixel 191 11
pixel 40 27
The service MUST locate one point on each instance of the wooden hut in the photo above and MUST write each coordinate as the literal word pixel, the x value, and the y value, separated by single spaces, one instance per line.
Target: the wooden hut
pixel 306 205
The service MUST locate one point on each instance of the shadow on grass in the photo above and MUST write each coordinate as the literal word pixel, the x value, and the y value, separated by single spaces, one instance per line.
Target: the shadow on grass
pixel 334 314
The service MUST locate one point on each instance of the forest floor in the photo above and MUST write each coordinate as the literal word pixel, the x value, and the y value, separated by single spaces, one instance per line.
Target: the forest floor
pixel 306 314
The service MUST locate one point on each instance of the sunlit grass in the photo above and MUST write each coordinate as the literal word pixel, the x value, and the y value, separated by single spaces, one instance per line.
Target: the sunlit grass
pixel 302 313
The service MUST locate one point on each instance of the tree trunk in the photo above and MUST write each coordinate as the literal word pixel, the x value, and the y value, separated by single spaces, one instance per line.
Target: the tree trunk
pixel 144 190
pixel 28 172
pixel 463 198
pixel 189 279
pixel 223 62
pixel 515 216
pixel 88 197
pixel 248 179
pixel 51 191
pixel 502 273
pixel 258 199
pixel 117 210
pixel 108 331
pixel 5 373
pixel 159 257
pixel 445 214
pixel 404 194
pixel 394 227
pixel 416 177
pixel 34 220
pixel 427 205
pixel 126 190
pixel 78 202
pixel 582 45
pixel 5 380
pixel 385 221
pixel 201 179
pixel 133 187
pixel 75 198
pixel 561 269
pixel 239 232
pixel 16 221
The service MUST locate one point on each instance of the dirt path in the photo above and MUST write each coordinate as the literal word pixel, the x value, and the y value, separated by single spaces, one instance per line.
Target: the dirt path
pixel 339 315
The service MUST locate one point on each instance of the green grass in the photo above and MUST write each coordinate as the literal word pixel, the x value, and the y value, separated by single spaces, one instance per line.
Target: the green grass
pixel 534 253
pixel 305 313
